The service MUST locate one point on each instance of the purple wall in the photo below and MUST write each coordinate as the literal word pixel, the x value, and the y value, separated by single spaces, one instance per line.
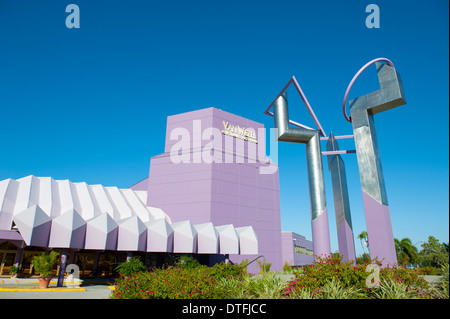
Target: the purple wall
pixel 141 186
pixel 289 254
pixel 230 192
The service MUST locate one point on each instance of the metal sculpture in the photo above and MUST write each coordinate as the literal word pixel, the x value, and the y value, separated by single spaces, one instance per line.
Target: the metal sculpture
pixel 341 200
pixel 311 138
pixel 363 109
pixel 376 207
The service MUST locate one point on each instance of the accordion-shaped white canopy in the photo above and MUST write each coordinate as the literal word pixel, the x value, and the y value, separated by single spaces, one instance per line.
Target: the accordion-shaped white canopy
pixel 68 231
pixel 184 237
pixel 132 235
pixel 228 238
pixel 207 238
pixel 101 233
pixel 159 236
pixel 248 242
pixel 34 226
pixel 56 197
pixel 61 214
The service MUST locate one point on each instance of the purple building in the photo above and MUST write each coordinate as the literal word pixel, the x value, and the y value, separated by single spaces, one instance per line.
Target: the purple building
pixel 214 169
pixel 296 249
pixel 212 193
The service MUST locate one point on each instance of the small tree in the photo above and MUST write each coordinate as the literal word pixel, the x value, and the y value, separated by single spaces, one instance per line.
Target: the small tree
pixel 263 266
pixel 15 270
pixel 406 251
pixel 187 262
pixel 133 265
pixel 433 253
pixel 287 267
pixel 243 265
pixel 365 257
pixel 44 263
pixel 363 236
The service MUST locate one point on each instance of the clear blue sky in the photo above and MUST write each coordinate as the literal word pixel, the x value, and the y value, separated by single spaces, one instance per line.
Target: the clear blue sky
pixel 90 104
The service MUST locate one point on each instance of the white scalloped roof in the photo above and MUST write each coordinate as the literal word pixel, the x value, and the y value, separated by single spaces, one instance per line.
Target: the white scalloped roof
pixel 56 197
pixel 61 214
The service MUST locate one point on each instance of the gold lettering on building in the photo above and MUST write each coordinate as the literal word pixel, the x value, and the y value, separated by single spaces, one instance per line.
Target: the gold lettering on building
pixel 239 132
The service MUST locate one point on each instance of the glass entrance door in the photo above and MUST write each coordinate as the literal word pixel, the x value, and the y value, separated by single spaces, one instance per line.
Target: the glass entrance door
pixel 8 259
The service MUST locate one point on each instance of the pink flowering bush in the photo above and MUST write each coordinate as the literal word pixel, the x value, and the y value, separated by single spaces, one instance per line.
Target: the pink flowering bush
pixel 327 278
pixel 175 283
pixel 329 269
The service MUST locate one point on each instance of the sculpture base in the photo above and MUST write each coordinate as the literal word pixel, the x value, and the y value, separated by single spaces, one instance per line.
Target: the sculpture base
pixel 379 230
pixel 346 242
pixel 321 235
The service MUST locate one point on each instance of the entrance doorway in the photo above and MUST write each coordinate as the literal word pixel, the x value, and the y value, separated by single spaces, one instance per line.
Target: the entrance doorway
pixel 7 260
pixel 8 254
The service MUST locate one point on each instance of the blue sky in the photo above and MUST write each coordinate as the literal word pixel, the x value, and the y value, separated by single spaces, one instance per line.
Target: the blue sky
pixel 90 104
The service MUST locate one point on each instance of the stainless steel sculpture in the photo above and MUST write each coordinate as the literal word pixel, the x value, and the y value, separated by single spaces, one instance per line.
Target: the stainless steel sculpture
pixel 362 111
pixel 341 200
pixel 310 137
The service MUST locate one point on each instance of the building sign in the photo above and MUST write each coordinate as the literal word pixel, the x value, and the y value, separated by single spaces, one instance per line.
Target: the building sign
pixel 239 132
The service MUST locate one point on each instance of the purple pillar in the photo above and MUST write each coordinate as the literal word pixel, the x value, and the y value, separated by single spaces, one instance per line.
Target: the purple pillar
pixel 18 256
pixel 62 267
pixel 97 255
pixel 379 230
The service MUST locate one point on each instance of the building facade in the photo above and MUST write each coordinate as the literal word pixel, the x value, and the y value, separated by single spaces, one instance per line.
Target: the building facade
pixel 296 249
pixel 212 193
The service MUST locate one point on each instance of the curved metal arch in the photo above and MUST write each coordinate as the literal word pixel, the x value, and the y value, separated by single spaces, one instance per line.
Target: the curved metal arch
pixel 389 62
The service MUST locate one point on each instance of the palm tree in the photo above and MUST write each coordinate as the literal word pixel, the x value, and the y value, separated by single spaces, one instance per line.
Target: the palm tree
pixel 406 251
pixel 364 236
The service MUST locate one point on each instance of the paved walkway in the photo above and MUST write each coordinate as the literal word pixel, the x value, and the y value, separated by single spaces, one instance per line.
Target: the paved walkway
pixel 433 280
pixel 28 288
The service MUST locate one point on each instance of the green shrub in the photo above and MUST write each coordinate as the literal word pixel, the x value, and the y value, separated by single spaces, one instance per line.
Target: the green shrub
pixel 323 271
pixel 441 291
pixel 170 283
pixel 428 270
pixel 445 274
pixel 334 289
pixel 267 286
pixel 305 293
pixel 226 270
pixel 234 287
pixel 364 258
pixel 133 265
pixel 243 265
pixel 326 278
pixel 409 277
pixel 44 263
pixel 263 266
pixel 187 262
pixel 15 269
pixel 393 289
pixel 286 267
